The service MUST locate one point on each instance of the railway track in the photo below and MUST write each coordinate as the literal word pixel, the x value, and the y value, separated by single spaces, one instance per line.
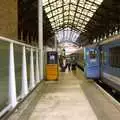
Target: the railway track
pixel 115 94
pixel 109 90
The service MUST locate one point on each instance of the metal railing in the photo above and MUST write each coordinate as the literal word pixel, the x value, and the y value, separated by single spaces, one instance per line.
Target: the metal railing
pixel 19 72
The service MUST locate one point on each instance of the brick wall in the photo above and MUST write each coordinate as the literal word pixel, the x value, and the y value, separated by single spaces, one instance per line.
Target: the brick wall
pixel 8 18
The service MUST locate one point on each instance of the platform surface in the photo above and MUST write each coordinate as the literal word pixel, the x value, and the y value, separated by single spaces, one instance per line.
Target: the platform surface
pixel 72 98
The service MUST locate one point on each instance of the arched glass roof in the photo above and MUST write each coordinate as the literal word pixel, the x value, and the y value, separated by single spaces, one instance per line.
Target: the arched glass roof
pixel 67 35
pixel 74 14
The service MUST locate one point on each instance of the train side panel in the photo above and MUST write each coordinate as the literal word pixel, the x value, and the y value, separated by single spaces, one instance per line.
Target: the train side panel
pixel 110 64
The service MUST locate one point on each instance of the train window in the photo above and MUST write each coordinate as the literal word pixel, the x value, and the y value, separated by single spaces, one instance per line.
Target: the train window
pixel 115 56
pixel 92 54
pixel 103 57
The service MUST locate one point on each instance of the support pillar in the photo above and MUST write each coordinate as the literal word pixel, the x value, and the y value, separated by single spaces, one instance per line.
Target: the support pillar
pixel 37 68
pixel 55 42
pixel 24 74
pixel 40 36
pixel 32 78
pixel 12 82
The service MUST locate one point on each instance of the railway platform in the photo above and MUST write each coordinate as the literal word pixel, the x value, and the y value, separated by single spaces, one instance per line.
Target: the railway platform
pixel 71 98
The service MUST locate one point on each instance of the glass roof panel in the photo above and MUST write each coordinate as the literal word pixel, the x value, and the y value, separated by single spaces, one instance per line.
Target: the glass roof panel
pixel 87 5
pixel 67 35
pixel 73 13
pixel 49 15
pixel 77 15
pixel 51 20
pixel 66 2
pixel 85 11
pixel 81 3
pixel 66 13
pixel 98 1
pixel 87 18
pixel 74 1
pixel 47 9
pixel 56 17
pixel 54 13
pixel 59 10
pixel 73 7
pixel 66 17
pixel 76 19
pixel 66 7
pixel 79 10
pixel 82 17
pixel 90 14
pixel 51 1
pixel 45 2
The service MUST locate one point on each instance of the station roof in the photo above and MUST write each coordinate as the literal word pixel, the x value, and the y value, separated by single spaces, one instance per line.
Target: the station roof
pixel 87 19
pixel 74 14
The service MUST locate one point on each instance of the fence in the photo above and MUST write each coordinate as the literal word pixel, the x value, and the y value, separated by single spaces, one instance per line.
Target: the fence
pixel 19 72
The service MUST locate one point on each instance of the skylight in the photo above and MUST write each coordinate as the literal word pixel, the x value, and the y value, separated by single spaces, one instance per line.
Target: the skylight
pixel 70 13
pixel 67 35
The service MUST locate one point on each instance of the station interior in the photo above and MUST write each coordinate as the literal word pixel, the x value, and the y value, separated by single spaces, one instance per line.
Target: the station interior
pixel 60 60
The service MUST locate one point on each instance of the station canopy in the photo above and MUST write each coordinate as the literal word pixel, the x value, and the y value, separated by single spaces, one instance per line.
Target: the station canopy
pixel 68 18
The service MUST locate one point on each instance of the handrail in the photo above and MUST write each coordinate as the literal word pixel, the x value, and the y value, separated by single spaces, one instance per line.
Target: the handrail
pixel 17 42
pixel 34 67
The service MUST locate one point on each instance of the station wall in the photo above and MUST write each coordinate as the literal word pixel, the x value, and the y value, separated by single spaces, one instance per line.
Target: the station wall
pixel 8 18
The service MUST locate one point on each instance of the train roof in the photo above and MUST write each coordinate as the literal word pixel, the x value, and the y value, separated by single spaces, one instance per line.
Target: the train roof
pixel 111 39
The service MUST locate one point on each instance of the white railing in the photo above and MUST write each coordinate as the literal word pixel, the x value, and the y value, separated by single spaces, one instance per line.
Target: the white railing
pixel 34 72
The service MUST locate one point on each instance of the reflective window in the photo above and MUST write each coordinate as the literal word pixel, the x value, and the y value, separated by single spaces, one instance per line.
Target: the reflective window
pixel 115 57
pixel 93 54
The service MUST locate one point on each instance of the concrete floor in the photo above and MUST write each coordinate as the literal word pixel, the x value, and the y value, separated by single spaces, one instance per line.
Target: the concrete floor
pixel 70 98
pixel 64 100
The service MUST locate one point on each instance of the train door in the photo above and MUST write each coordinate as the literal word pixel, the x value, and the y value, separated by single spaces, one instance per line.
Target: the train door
pixel 92 62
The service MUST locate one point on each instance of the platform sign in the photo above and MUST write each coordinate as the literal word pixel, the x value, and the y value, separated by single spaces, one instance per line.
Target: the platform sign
pixel 52 65
pixel 52 57
pixel 92 62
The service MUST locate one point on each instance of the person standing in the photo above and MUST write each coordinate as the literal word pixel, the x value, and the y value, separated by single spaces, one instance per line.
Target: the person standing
pixel 74 63
pixel 61 62
pixel 64 64
pixel 68 63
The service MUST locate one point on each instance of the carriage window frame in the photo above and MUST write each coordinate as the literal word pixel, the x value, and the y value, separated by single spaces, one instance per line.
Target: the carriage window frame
pixel 103 56
pixel 114 57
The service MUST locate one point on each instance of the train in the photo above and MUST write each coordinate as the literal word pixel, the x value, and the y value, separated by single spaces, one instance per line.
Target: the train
pixel 102 62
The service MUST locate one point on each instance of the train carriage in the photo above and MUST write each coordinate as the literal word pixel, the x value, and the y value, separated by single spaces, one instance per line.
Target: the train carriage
pixel 102 62
pixel 110 63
